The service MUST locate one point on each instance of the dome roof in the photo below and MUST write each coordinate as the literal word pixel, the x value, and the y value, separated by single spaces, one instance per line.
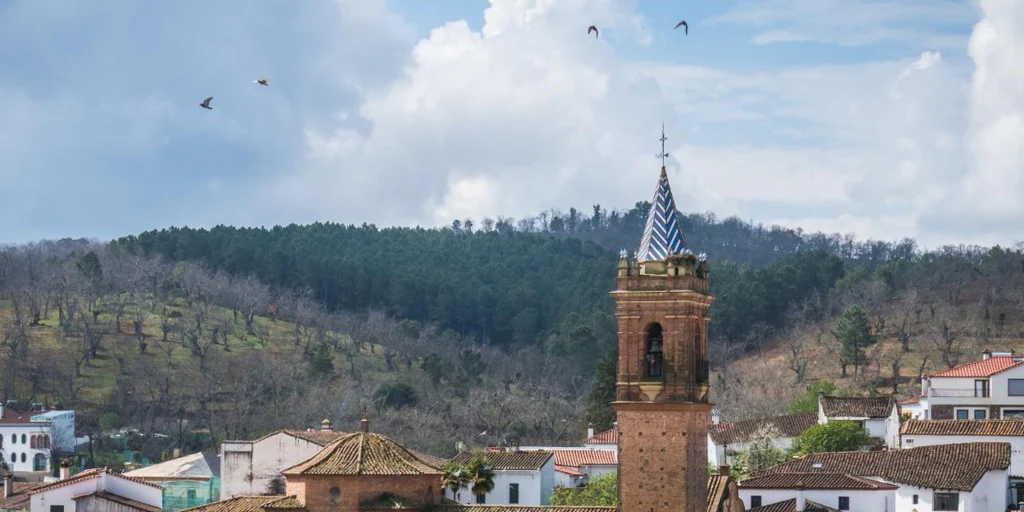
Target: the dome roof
pixel 363 453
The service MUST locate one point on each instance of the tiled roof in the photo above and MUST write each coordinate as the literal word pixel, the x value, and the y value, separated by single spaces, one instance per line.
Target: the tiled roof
pixel 437 462
pixel 577 458
pixel 86 475
pixel 857 406
pixel 15 417
pixel 1013 428
pixel 610 436
pixel 718 486
pixel 363 453
pixel 20 498
pixel 984 368
pixel 121 500
pixel 286 503
pixel 790 506
pixel 519 508
pixel 947 466
pixel 188 467
pixel 791 425
pixel 508 461
pixel 320 437
pixel 247 504
pixel 662 234
pixel 567 470
pixel 817 481
pixel 909 401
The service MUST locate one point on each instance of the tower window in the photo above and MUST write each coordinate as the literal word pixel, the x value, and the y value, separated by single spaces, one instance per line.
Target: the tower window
pixel 655 356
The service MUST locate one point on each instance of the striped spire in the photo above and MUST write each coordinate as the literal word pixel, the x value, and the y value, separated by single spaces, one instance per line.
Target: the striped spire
pixel 662 235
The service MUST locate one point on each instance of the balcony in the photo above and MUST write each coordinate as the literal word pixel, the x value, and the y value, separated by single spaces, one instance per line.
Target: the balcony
pixel 958 392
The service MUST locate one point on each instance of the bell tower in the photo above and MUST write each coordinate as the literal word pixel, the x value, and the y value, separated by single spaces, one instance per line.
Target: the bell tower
pixel 662 304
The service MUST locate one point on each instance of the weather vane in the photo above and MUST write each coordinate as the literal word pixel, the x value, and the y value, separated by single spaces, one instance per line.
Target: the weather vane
pixel 663 155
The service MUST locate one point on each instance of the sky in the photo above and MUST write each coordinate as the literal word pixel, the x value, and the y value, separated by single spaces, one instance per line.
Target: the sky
pixel 882 118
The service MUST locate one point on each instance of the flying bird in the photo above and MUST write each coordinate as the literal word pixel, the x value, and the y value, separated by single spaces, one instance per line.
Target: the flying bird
pixel 594 30
pixel 686 28
pixel 262 81
pixel 206 103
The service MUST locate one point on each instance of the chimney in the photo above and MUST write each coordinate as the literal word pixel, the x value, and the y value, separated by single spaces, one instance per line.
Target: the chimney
pixel 590 430
pixel 176 453
pixel 325 424
pixel 985 354
pixel 364 425
pixel 716 416
pixel 8 484
pixel 65 470
pixel 801 502
pixel 724 470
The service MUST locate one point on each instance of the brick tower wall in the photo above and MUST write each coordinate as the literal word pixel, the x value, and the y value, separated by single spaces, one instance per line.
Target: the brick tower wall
pixel 662 456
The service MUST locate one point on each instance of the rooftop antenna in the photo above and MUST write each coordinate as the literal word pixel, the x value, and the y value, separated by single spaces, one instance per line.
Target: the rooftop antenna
pixel 663 155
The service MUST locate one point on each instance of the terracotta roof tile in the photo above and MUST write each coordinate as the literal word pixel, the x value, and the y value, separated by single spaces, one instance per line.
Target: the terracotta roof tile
pixel 718 485
pixel 858 406
pixel 320 437
pixel 519 508
pixel 816 481
pixel 437 462
pixel 286 503
pixel 791 425
pixel 237 504
pixel 790 506
pixel 610 436
pixel 15 417
pixel 909 401
pixel 568 471
pixel 86 475
pixel 577 458
pixel 363 453
pixel 20 498
pixel 984 368
pixel 508 461
pixel 121 500
pixel 1012 428
pixel 948 466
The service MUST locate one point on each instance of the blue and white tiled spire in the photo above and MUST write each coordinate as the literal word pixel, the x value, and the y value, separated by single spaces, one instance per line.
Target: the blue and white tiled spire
pixel 662 235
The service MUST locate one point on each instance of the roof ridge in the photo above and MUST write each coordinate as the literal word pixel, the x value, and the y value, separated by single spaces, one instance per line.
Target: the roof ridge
pixel 359 457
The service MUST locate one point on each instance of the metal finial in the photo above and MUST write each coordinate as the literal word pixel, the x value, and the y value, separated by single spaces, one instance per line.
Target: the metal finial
pixel 622 253
pixel 663 155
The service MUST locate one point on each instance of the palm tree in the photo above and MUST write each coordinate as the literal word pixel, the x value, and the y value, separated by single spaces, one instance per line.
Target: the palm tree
pixel 481 476
pixel 455 478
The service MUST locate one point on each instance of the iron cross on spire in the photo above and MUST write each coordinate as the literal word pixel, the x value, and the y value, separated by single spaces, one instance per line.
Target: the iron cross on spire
pixel 663 155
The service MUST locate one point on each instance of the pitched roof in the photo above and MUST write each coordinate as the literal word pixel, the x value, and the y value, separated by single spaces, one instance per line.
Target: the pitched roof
pixel 12 416
pixel 1012 428
pixel 508 461
pixel 121 500
pixel 947 466
pixel 984 368
pixel 909 401
pixel 320 437
pixel 790 506
pixel 363 453
pixel 816 481
pixel 568 471
pixel 87 475
pixel 610 436
pixel 433 460
pixel 249 504
pixel 662 234
pixel 189 467
pixel 857 406
pixel 791 425
pixel 577 458
pixel 20 497
pixel 519 508
pixel 718 486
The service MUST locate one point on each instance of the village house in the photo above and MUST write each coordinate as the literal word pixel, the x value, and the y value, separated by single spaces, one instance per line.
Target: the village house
pixel 607 440
pixel 30 436
pixel 726 440
pixel 577 467
pixel 880 415
pixel 96 490
pixel 187 481
pixel 520 478
pixel 969 477
pixel 991 388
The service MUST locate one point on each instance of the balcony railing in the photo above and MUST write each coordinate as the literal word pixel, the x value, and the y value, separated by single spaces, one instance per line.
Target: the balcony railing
pixel 958 392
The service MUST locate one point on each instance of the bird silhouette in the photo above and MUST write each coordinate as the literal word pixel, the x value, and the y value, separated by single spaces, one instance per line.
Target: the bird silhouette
pixel 262 81
pixel 594 30
pixel 206 103
pixel 686 28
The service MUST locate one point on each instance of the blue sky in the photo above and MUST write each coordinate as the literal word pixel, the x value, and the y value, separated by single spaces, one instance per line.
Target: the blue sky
pixel 861 116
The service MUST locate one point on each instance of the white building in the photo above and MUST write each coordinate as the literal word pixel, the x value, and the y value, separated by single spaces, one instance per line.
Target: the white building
pixel 992 388
pixel 524 478
pixel 880 415
pixel 96 490
pixel 28 437
pixel 726 440
pixel 576 467
pixel 607 440
pixel 970 477
pixel 838 491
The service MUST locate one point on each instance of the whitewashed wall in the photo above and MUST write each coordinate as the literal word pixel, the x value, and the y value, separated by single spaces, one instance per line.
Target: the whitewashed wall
pixel 62 496
pixel 860 501
pixel 248 467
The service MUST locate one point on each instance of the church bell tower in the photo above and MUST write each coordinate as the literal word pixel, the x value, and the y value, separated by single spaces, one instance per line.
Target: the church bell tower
pixel 662 304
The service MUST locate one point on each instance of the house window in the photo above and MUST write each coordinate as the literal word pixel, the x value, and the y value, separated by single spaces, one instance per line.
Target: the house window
pixel 191 495
pixel 513 494
pixel 946 501
pixel 56 508
pixel 14 438
pixel 981 389
pixel 962 414
pixel 23 457
pixel 335 493
pixel 481 499
pixel 908 442
pixel 980 414
pixel 915 499
pixel 655 356
pixel 755 501
pixel 1016 414
pixel 1015 387
pixel 24 439
pixel 844 503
